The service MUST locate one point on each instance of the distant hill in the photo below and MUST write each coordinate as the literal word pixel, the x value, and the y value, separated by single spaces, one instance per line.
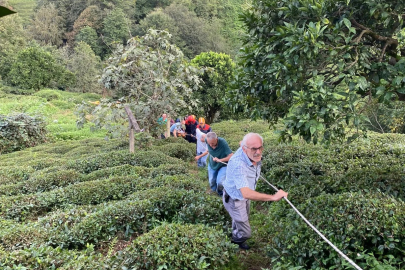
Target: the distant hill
pixel 25 8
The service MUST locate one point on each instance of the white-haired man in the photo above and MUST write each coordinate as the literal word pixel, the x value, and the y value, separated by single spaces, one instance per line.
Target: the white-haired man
pixel 239 186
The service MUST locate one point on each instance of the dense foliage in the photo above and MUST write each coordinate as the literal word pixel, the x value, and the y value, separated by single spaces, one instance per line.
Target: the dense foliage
pixel 20 131
pixel 218 74
pixel 151 77
pixel 89 204
pixel 312 62
pixel 36 68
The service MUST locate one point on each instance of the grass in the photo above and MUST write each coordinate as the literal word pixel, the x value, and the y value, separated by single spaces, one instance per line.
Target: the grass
pixel 58 112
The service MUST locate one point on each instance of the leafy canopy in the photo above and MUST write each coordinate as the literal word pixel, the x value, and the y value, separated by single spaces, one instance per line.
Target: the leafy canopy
pixel 312 62
pixel 218 73
pixel 150 76
pixel 35 68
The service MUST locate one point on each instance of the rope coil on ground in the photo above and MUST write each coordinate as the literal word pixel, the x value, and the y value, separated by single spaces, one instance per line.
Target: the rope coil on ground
pixel 312 226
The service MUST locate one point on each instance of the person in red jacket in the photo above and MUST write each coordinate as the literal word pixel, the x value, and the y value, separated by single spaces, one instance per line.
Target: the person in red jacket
pixel 191 126
pixel 205 128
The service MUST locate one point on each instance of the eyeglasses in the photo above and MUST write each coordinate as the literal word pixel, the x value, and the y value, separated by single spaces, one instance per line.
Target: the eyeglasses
pixel 254 149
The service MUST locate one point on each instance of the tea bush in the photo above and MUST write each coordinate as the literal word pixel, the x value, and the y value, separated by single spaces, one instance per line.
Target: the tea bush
pixel 122 170
pixel 169 169
pixel 177 246
pixel 182 151
pixel 19 131
pixel 142 211
pixel 356 223
pixel 92 192
pixel 14 174
pixel 45 258
pixel 100 161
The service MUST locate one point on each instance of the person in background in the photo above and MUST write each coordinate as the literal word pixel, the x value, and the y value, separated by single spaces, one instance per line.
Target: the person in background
pixel 191 126
pixel 162 121
pixel 239 187
pixel 176 129
pixel 205 128
pixel 220 153
pixel 201 148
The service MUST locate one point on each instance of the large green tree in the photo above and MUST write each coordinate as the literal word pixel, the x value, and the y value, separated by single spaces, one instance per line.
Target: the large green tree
pixel 47 26
pixel 116 27
pixel 190 32
pixel 312 62
pixel 35 68
pixel 218 73
pixel 12 40
pixel 86 66
pixel 150 76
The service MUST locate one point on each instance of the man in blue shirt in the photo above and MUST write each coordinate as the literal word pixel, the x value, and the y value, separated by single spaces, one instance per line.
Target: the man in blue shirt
pixel 219 152
pixel 239 186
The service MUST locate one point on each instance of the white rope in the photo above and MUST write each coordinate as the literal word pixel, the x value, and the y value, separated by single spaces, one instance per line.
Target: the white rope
pixel 312 226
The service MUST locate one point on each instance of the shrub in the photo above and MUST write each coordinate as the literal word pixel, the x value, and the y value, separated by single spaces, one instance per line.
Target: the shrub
pixel 169 169
pixel 14 174
pixel 170 140
pixel 185 152
pixel 122 170
pixel 113 159
pixel 20 131
pixel 92 192
pixel 19 236
pixel 48 94
pixel 178 246
pixel 44 258
pixel 354 222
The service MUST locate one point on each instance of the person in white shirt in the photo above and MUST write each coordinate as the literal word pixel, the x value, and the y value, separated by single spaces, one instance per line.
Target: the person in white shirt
pixel 201 148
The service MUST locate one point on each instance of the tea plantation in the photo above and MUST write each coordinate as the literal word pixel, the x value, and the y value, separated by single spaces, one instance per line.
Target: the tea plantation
pixel 90 204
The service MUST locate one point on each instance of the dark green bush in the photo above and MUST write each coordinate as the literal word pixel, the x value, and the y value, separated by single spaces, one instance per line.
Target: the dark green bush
pixel 170 140
pixel 169 169
pixel 17 236
pixel 19 131
pixel 122 170
pixel 50 180
pixel 45 258
pixel 178 246
pixel 92 192
pixel 113 159
pixel 356 223
pixel 14 174
pixel 186 152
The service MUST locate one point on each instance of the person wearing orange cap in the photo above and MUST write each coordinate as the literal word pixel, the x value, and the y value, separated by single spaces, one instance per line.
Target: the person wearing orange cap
pixel 205 128
pixel 191 126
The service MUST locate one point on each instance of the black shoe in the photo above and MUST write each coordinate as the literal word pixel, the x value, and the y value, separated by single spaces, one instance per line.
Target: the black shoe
pixel 243 245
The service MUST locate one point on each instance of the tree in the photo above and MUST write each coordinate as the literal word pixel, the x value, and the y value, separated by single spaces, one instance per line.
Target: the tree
pixel 150 76
pixel 47 26
pixel 69 10
pixel 88 35
pixel 311 62
pixel 219 71
pixel 12 40
pixel 36 68
pixel 144 7
pixel 192 34
pixel 116 27
pixel 86 66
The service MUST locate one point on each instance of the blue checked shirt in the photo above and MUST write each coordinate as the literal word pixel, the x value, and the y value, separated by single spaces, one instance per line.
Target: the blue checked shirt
pixel 241 173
